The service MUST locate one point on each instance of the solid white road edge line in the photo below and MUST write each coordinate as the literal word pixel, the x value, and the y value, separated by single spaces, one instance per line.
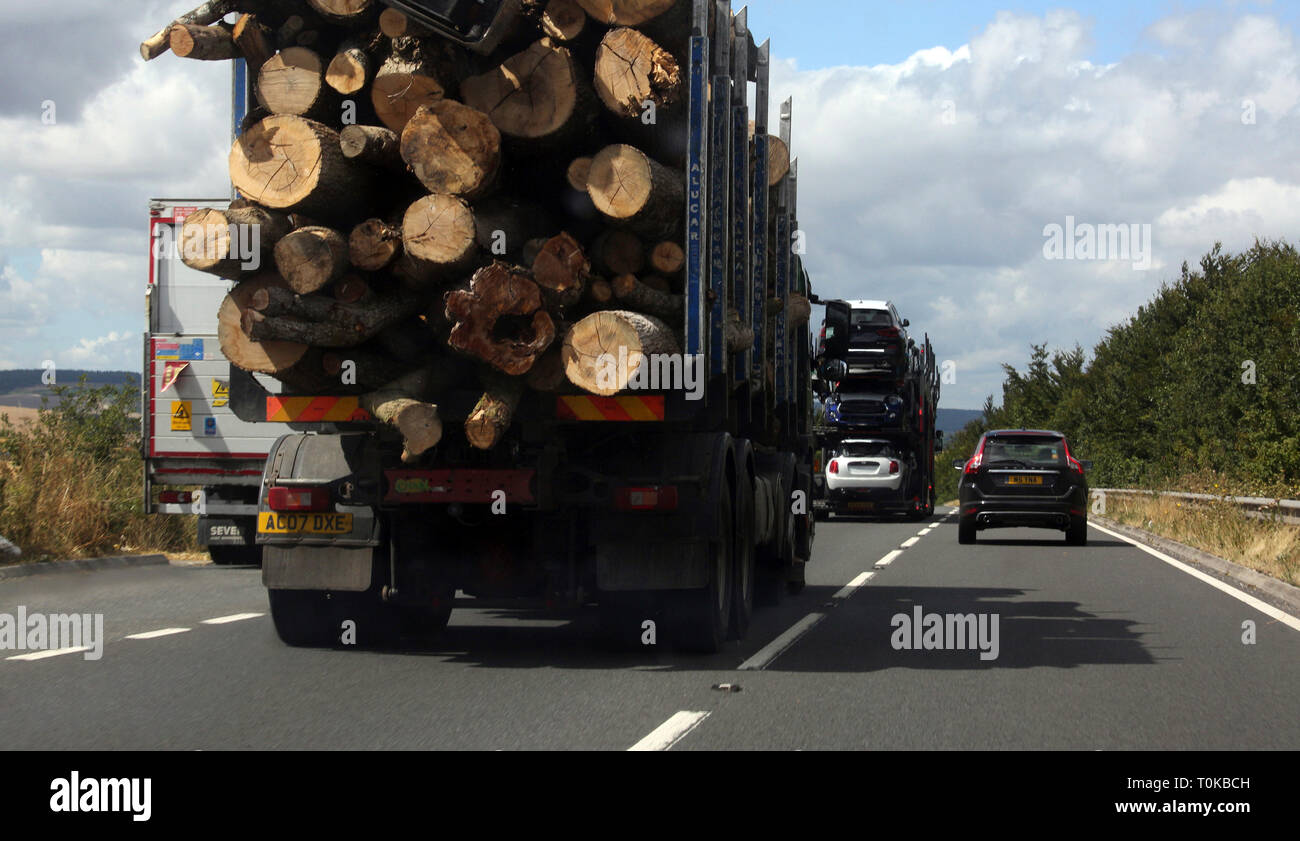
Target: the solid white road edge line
pixel 888 559
pixel 773 649
pixel 162 632
pixel 234 617
pixel 852 587
pixel 41 655
pixel 1263 607
pixel 671 731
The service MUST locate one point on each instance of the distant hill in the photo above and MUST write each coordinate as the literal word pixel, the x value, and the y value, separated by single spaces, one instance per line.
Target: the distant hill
pixel 24 387
pixel 952 420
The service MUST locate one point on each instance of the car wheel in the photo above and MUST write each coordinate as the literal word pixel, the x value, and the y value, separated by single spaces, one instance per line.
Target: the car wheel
pixel 1077 533
pixel 965 531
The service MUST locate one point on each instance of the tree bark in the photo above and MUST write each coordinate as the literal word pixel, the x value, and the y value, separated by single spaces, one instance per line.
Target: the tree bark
pixel 547 375
pixel 294 163
pixel 632 189
pixel 600 294
pixel 293 82
pixel 375 145
pixel 798 311
pixel 498 292
pixel 204 43
pixel 364 368
pixel 495 411
pixel 440 239
pixel 264 357
pixel 400 404
pixel 309 259
pixel 633 294
pixel 374 245
pixel 255 43
pixel 604 351
pixel 739 336
pixel 211 239
pixel 632 70
pixel 453 149
pixel 277 314
pixel 539 96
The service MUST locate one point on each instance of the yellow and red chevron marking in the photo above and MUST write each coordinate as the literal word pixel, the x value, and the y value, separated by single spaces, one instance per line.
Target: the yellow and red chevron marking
pixel 583 408
pixel 314 410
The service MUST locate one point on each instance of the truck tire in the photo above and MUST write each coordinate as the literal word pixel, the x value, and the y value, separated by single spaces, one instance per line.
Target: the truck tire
pixel 701 618
pixel 744 555
pixel 303 618
pixel 236 555
pixel 774 580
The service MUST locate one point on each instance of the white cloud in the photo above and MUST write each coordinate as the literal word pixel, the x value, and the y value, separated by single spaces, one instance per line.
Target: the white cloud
pixel 114 351
pixel 946 216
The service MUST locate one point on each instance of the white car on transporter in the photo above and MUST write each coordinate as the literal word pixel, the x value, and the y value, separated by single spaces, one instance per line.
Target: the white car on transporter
pixel 862 473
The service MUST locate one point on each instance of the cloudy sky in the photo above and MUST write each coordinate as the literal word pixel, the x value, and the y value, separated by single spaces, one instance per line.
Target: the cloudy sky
pixel 937 141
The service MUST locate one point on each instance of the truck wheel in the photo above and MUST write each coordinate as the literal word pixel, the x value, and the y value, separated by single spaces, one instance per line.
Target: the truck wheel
pixel 235 555
pixel 774 579
pixel 701 618
pixel 798 579
pixel 965 531
pixel 303 617
pixel 745 560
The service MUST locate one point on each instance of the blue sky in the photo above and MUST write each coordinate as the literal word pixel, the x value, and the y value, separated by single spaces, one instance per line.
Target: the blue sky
pixel 829 33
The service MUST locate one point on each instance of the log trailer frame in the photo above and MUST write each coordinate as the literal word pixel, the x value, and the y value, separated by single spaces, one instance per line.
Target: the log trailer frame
pixel 652 505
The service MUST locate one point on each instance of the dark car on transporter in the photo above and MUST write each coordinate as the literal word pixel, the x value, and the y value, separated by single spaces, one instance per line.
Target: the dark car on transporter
pixel 1023 478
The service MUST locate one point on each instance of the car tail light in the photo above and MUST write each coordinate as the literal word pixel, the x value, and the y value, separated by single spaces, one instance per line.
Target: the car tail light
pixel 835 465
pixel 175 497
pixel 888 332
pixel 893 468
pixel 973 465
pixel 1074 463
pixel 298 499
pixel 657 498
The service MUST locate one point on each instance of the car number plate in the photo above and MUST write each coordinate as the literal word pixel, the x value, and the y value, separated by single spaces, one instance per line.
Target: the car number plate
pixel 271 523
pixel 1024 480
pixel 861 506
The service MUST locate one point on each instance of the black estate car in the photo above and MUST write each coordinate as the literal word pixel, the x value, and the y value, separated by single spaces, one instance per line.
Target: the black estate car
pixel 1023 478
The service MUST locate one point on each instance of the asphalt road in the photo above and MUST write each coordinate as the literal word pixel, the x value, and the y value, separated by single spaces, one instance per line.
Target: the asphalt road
pixel 1103 647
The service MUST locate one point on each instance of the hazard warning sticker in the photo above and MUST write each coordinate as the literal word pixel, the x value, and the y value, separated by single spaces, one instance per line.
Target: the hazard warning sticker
pixel 220 393
pixel 182 416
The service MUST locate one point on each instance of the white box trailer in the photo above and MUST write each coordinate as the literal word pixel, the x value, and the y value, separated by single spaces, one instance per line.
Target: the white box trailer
pixel 191 436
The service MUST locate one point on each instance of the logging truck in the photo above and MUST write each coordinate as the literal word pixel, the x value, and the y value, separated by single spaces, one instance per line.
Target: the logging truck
pixel 534 302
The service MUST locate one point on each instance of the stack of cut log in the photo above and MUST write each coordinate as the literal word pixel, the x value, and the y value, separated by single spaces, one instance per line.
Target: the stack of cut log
pixel 429 216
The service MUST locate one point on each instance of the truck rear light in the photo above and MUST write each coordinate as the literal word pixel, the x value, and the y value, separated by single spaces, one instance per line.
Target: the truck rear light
pixel 657 498
pixel 175 497
pixel 893 468
pixel 298 499
pixel 835 465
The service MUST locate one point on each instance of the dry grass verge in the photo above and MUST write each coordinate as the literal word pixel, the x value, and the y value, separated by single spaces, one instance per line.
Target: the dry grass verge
pixel 1265 545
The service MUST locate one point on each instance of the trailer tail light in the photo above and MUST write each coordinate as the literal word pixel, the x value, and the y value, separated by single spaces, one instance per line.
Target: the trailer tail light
pixel 657 498
pixel 893 468
pixel 175 497
pixel 298 499
pixel 835 465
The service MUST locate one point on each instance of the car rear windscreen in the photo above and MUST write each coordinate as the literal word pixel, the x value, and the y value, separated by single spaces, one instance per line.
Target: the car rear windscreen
pixel 870 319
pixel 1028 450
pixel 866 449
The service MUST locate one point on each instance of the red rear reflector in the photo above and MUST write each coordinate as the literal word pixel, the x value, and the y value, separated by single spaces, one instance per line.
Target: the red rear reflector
pixel 970 511
pixel 659 498
pixel 298 499
pixel 175 497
